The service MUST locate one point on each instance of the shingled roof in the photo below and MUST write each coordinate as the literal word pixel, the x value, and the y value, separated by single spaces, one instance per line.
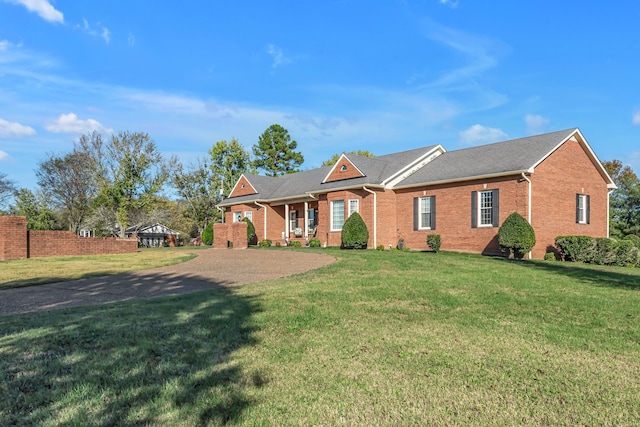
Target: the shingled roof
pixel 499 159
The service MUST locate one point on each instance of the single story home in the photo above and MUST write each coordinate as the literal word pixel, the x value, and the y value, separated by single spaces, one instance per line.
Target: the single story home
pixel 554 180
pixel 153 236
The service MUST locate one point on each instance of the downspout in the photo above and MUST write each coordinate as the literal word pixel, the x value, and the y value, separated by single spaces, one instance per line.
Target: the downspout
pixel 528 203
pixel 608 212
pixel 375 215
pixel 265 218
pixel 222 212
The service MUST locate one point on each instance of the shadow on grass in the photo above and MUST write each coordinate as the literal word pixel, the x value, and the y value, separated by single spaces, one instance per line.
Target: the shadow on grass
pixel 161 361
pixel 591 274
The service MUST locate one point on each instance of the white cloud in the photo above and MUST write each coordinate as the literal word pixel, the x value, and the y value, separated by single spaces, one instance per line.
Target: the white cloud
pixel 106 35
pixel 42 7
pixel 451 3
pixel 13 129
pixel 131 40
pixel 3 156
pixel 636 118
pixel 478 134
pixel 99 30
pixel 278 56
pixel 535 123
pixel 70 123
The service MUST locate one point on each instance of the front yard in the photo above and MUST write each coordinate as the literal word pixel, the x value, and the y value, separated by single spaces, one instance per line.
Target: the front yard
pixel 378 338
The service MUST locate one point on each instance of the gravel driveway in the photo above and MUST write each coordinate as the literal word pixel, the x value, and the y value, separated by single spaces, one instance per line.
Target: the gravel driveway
pixel 212 267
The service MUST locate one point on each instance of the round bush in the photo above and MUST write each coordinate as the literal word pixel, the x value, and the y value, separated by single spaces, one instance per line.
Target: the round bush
pixel 296 244
pixel 434 241
pixel 265 243
pixel 355 234
pixel 516 236
pixel 633 238
pixel 314 243
pixel 207 235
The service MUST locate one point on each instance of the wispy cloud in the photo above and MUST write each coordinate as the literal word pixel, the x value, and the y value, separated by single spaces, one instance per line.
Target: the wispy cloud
pixel 131 40
pixel 43 8
pixel 98 30
pixel 536 123
pixel 278 56
pixel 70 123
pixel 478 134
pixel 3 156
pixel 451 3
pixel 636 118
pixel 14 129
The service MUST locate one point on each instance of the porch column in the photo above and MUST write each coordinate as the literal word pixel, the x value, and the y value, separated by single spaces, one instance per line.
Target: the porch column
pixel 306 219
pixel 286 220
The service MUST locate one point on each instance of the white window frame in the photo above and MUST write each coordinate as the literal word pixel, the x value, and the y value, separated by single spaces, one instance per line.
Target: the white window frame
pixel 293 220
pixel 424 202
pixel 248 214
pixel 354 206
pixel 485 207
pixel 237 216
pixel 334 204
pixel 582 208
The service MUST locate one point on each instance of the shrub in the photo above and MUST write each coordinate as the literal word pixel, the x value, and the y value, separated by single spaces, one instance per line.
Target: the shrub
pixel 265 243
pixel 550 256
pixel 296 244
pixel 314 243
pixel 576 248
pixel 434 241
pixel 633 238
pixel 516 236
pixel 626 254
pixel 380 248
pixel 605 251
pixel 207 235
pixel 355 234
pixel 251 230
pixel 278 244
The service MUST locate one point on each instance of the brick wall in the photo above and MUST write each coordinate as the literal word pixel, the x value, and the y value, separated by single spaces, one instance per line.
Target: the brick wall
pixel 17 243
pixel 234 233
pixel 13 237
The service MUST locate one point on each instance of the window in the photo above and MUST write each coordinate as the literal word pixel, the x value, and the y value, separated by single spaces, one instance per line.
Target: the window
pixel 424 213
pixel 353 206
pixel 337 215
pixel 343 168
pixel 485 208
pixel 313 217
pixel 583 208
pixel 237 216
pixel 248 214
pixel 293 220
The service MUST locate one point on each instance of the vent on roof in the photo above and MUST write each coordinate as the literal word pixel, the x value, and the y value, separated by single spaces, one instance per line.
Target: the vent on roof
pixel 242 186
pixel 343 168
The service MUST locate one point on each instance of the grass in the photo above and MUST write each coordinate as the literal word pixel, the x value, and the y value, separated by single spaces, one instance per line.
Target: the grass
pixel 37 271
pixel 378 338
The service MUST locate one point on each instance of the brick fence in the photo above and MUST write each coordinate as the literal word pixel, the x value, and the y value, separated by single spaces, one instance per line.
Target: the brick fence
pixel 230 235
pixel 16 242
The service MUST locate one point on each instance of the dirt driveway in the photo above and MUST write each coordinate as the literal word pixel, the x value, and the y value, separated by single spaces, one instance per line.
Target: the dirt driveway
pixel 212 268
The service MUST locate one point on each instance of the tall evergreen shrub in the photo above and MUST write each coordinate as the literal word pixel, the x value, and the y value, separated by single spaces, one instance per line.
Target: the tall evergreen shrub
pixel 207 234
pixel 251 230
pixel 516 236
pixel 355 234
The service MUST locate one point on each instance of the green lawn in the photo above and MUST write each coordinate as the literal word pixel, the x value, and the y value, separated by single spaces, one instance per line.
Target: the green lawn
pixel 378 338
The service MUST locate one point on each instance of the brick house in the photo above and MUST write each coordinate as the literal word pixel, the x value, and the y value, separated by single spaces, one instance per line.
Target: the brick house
pixel 554 180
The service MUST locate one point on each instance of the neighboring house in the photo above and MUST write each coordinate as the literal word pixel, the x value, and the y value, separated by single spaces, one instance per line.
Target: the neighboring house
pixel 553 180
pixel 153 236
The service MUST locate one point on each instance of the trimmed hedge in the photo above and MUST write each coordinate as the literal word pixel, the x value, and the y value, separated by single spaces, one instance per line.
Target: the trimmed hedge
pixel 599 250
pixel 355 234
pixel 633 238
pixel 314 243
pixel 434 241
pixel 251 230
pixel 516 236
pixel 265 243
pixel 207 235
pixel 576 248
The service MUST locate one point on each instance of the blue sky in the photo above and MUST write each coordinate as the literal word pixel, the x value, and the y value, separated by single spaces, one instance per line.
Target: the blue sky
pixel 340 75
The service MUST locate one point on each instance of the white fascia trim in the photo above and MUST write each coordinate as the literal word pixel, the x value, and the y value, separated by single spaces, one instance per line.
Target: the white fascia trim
pixel 466 178
pixel 414 166
pixel 590 153
pixel 336 165
pixel 238 182
pixel 347 187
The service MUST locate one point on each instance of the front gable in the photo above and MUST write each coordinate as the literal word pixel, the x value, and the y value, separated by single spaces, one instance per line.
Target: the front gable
pixel 343 169
pixel 243 188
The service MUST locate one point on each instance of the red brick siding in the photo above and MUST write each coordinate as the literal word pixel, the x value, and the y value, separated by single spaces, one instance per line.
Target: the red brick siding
pixel 453 214
pixel 338 175
pixel 44 243
pixel 555 183
pixel 239 191
pixel 13 237
pixel 234 233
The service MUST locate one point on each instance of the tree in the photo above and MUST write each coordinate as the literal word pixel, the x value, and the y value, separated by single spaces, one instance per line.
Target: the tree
pixel 334 159
pixel 516 236
pixel 132 175
pixel 624 203
pixel 35 208
pixel 69 182
pixel 7 188
pixel 275 153
pixel 229 160
pixel 197 190
pixel 355 234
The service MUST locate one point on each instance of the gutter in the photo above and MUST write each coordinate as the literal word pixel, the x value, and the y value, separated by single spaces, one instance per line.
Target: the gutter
pixel 608 212
pixel 463 179
pixel 375 215
pixel 528 203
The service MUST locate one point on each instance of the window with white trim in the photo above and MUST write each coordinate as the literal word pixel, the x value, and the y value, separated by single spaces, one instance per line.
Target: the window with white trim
pixel 353 206
pixel 293 220
pixel 248 214
pixel 337 215
pixel 583 208
pixel 237 216
pixel 424 213
pixel 485 208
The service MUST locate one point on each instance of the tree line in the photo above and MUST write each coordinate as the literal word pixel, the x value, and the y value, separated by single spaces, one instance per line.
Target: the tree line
pixel 108 184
